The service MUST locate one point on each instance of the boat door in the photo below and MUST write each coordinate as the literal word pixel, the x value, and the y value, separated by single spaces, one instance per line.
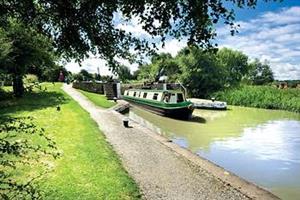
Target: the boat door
pixel 173 98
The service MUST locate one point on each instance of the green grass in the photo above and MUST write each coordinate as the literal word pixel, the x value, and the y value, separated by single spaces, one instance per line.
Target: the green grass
pixel 262 97
pixel 88 168
pixel 98 99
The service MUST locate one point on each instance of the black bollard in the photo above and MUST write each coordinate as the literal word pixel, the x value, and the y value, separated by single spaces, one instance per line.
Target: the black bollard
pixel 126 122
pixel 115 99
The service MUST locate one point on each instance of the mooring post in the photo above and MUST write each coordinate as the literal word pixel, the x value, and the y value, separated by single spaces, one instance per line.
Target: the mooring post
pixel 126 122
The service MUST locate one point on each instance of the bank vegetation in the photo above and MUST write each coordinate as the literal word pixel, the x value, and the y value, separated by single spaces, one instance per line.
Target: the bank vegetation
pixel 226 74
pixel 268 97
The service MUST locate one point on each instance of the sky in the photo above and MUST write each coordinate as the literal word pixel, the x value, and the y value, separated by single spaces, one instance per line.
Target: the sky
pixel 271 33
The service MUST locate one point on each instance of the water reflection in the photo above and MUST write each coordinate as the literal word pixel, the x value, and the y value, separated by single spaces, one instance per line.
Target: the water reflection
pixel 274 140
pixel 260 145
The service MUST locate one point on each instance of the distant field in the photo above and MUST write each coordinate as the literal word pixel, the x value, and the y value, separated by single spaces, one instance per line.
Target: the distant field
pixel 98 99
pixel 262 97
pixel 88 168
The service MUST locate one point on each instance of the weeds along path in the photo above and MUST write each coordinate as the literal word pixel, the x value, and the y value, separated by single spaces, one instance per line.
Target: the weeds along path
pixel 160 172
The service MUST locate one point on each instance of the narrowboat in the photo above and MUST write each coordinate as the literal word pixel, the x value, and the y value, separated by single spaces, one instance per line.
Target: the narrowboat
pixel 170 103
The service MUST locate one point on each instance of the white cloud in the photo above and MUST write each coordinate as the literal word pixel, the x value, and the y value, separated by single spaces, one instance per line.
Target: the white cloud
pixel 172 46
pixel 133 66
pixel 274 36
pixel 286 16
pixel 133 26
pixel 91 65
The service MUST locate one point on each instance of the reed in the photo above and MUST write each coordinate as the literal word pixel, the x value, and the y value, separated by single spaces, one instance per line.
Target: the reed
pixel 262 97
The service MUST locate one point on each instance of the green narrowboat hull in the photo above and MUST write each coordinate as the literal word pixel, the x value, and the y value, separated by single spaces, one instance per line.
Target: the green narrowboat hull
pixel 181 110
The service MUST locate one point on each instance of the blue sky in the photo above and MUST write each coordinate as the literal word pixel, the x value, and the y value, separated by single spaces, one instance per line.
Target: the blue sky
pixel 271 33
pixel 262 7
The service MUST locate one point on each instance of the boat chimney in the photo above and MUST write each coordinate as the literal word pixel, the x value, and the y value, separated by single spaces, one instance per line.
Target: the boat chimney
pixel 164 86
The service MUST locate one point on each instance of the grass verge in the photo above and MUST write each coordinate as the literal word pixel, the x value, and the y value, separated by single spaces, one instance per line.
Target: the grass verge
pixel 98 99
pixel 88 168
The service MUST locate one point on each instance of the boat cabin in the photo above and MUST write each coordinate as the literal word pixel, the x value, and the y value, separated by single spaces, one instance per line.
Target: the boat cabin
pixel 171 103
pixel 162 96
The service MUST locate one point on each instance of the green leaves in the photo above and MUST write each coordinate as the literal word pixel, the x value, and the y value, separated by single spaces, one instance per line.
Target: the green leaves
pixel 79 27
pixel 201 71
pixel 234 64
pixel 23 144
pixel 260 73
pixel 5 48
pixel 124 73
pixel 25 48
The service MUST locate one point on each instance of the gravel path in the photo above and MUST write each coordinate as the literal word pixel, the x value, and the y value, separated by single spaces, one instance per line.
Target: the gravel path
pixel 161 172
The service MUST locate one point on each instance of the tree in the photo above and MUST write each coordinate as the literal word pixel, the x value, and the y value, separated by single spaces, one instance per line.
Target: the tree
pixel 80 27
pixel 124 73
pixel 28 48
pixel 234 64
pixel 165 65
pixel 201 73
pixel 260 73
pixel 144 72
pixel 50 74
pixel 97 76
pixel 86 75
pixel 161 65
pixel 5 48
pixel 136 74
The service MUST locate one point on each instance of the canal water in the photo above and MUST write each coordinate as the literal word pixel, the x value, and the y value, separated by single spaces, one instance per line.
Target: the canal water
pixel 262 146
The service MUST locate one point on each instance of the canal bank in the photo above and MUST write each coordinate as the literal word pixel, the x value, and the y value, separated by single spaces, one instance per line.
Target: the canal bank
pixel 259 145
pixel 162 169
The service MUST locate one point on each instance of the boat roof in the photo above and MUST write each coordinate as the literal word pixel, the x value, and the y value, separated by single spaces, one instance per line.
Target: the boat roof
pixel 153 90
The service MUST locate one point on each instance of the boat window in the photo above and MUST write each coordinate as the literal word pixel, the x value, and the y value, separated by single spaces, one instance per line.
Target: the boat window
pixel 155 96
pixel 134 94
pixel 167 98
pixel 179 97
pixel 127 93
pixel 145 95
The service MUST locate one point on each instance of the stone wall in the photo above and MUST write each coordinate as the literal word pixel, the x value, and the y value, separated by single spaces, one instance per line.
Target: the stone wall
pixel 89 87
pixel 110 90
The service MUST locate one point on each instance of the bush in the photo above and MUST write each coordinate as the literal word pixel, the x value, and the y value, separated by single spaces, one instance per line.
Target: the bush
pixel 30 78
pixel 4 95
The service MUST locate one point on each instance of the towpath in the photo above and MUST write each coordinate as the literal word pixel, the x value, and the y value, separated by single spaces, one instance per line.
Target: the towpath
pixel 162 169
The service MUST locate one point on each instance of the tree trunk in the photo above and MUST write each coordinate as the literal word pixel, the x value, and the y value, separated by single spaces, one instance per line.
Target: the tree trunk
pixel 18 86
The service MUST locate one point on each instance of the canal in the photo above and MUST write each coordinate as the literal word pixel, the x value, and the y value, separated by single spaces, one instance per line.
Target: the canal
pixel 262 146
